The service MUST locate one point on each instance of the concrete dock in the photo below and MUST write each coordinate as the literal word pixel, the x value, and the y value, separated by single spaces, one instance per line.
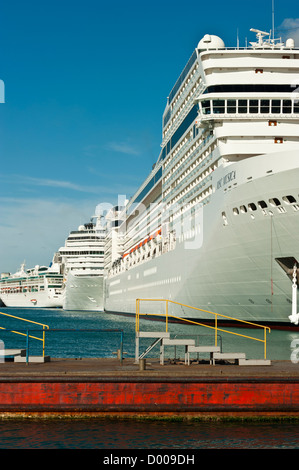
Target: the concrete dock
pixel 106 387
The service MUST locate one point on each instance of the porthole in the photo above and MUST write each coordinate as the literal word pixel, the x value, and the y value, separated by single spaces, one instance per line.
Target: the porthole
pixel 262 204
pixel 236 211
pixel 289 199
pixel 225 222
pixel 274 202
pixel 252 206
pixel 243 209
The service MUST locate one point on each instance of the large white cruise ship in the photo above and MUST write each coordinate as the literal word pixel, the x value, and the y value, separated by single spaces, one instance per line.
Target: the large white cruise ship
pixel 216 223
pixel 82 260
pixel 39 287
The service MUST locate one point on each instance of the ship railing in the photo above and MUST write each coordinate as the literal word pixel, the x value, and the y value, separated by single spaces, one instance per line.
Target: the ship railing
pixel 216 327
pixel 44 328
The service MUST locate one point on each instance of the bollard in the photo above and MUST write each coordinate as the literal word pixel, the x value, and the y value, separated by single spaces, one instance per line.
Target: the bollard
pixel 142 364
pixel 120 356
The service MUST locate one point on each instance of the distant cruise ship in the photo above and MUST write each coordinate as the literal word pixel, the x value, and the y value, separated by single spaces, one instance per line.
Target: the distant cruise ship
pixel 82 260
pixel 39 287
pixel 215 224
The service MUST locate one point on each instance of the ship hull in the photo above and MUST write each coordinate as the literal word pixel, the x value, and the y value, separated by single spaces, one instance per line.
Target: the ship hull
pixel 83 293
pixel 32 300
pixel 233 269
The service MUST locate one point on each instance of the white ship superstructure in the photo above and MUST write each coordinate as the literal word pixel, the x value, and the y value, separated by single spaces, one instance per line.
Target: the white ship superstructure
pixel 39 287
pixel 82 259
pixel 216 223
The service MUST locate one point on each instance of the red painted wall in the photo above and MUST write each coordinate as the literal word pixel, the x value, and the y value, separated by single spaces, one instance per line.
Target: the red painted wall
pixel 148 396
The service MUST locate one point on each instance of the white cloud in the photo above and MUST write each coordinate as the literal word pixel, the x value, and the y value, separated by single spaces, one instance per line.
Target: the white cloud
pixel 289 28
pixel 33 230
pixel 122 147
pixel 32 181
pixel 29 182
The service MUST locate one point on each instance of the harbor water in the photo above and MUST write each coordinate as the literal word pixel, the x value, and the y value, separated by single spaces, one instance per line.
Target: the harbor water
pixel 104 433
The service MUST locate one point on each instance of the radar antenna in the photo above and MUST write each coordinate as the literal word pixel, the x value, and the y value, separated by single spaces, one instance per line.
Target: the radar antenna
pixel 260 35
pixel 265 43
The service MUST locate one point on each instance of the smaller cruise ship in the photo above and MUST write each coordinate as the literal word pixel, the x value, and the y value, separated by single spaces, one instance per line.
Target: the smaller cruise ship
pixel 82 262
pixel 39 287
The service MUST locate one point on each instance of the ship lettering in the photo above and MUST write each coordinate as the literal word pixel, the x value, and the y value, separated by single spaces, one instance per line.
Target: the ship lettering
pixel 226 179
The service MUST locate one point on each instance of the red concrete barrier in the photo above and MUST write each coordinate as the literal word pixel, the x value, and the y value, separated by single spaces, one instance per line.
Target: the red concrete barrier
pixel 149 395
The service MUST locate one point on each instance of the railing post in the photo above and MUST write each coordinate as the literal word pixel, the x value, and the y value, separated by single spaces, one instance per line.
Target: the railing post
pixel 166 316
pixel 216 329
pixel 44 335
pixel 27 348
pixel 265 344
pixel 136 332
pixel 137 314
pixel 121 346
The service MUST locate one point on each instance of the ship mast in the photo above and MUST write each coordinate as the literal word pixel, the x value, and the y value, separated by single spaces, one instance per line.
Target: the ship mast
pixel 273 33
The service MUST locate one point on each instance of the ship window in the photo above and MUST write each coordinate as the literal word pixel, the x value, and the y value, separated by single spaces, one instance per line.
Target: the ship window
pixel 274 201
pixel 265 106
pixel 296 106
pixel 262 204
pixel 253 106
pixel 235 210
pixel 231 106
pixel 243 209
pixel 275 106
pixel 286 106
pixel 218 106
pixel 206 107
pixel 289 199
pixel 252 206
pixel 243 88
pixel 242 106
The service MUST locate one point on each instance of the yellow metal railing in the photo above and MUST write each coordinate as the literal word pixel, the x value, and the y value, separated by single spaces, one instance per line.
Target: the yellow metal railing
pixel 217 315
pixel 43 339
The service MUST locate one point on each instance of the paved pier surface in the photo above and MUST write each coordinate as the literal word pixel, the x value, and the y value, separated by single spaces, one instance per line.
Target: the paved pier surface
pixel 107 367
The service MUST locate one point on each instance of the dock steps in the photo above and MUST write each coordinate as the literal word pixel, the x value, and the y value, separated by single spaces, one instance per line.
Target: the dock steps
pixel 178 342
pixel 152 334
pixel 149 348
pixel 254 362
pixel 12 352
pixel 220 356
pixel 212 349
pixel 215 351
pixel 203 349
pixel 32 359
pixel 19 355
pixel 159 335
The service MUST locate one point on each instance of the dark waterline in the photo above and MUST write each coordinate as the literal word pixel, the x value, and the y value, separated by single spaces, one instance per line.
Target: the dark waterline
pixel 119 434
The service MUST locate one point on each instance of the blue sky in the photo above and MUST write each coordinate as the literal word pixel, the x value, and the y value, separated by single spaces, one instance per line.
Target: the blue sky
pixel 85 88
